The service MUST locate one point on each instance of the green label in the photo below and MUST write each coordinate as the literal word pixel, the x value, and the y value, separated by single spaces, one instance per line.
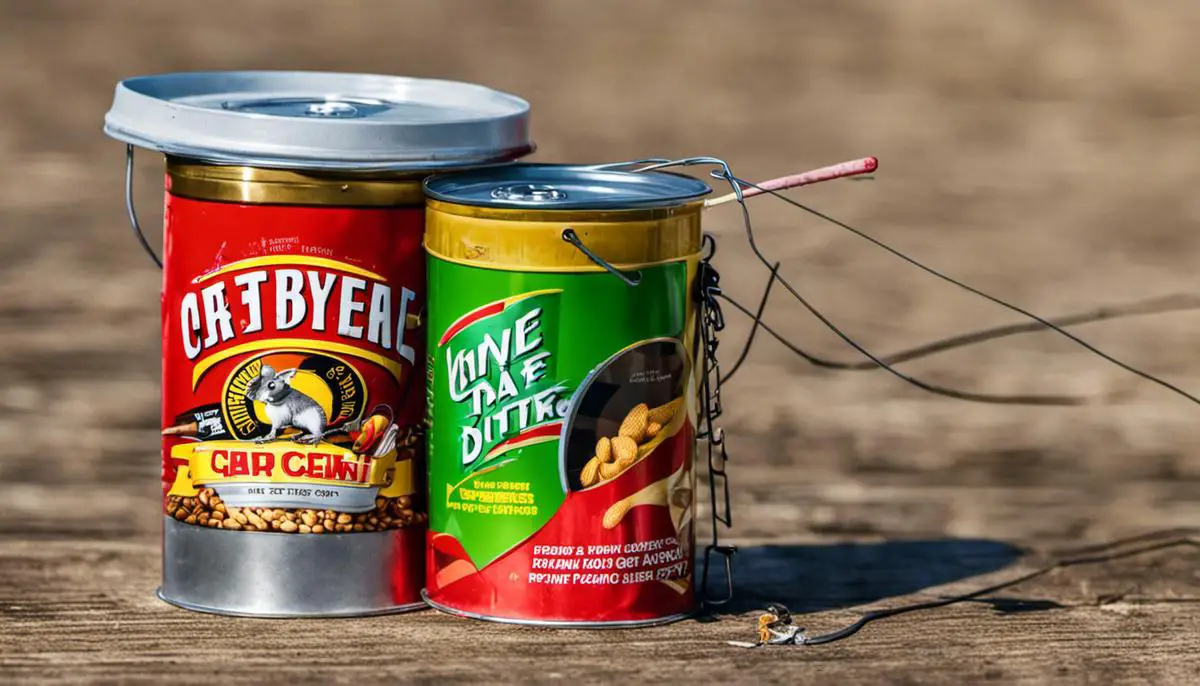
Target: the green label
pixel 507 351
pixel 500 375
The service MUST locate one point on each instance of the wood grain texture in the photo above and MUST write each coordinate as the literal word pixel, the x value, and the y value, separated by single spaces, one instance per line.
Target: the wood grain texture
pixel 80 609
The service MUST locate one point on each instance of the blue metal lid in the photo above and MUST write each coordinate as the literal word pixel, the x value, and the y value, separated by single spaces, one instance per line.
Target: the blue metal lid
pixel 320 120
pixel 565 187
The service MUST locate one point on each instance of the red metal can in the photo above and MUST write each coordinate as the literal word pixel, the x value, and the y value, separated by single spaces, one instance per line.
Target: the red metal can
pixel 287 328
pixel 292 320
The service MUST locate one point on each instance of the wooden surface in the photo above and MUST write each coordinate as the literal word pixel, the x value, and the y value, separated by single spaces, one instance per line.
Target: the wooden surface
pixel 1044 151
pixel 77 606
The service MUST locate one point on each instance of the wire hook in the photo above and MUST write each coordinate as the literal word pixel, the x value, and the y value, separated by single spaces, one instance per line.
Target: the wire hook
pixel 133 220
pixel 571 237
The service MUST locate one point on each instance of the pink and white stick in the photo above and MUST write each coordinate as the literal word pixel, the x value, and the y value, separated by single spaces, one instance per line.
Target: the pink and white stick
pixel 865 165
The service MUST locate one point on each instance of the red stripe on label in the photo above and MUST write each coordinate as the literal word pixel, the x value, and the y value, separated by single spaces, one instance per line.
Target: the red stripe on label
pixel 469 319
pixel 540 431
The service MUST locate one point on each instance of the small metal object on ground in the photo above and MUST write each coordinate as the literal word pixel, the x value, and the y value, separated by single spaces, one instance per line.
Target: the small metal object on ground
pixel 775 627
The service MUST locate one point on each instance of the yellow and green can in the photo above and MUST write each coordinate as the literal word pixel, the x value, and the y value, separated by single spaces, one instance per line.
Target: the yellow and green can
pixel 562 394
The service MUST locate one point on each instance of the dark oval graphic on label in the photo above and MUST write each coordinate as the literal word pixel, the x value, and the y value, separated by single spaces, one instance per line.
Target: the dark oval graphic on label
pixel 634 390
pixel 295 377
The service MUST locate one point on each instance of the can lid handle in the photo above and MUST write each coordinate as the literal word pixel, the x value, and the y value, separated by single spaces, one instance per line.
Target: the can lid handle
pixel 133 220
pixel 529 192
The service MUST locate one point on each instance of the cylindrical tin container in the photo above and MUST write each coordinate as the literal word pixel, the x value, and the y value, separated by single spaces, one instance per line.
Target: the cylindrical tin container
pixel 292 311
pixel 562 397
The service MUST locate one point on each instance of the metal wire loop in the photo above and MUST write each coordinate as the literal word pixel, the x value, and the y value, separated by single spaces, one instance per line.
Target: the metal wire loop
pixel 631 280
pixel 709 242
pixel 709 322
pixel 727 552
pixel 630 163
pixel 133 220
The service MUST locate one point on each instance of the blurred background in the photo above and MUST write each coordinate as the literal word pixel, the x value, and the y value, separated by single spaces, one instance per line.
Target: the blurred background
pixel 1044 152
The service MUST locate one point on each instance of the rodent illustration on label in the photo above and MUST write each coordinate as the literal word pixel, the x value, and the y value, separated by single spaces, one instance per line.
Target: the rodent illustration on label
pixel 288 370
pixel 287 407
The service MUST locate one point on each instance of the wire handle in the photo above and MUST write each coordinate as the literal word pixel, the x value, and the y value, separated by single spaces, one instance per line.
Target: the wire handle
pixel 738 183
pixel 628 163
pixel 133 220
pixel 571 237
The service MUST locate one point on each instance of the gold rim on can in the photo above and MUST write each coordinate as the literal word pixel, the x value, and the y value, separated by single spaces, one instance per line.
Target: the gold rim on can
pixel 258 186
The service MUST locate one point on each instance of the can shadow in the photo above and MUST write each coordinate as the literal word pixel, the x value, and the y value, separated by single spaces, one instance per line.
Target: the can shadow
pixel 812 578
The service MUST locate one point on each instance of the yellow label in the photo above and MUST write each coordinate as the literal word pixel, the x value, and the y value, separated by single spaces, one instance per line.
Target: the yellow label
pixel 217 462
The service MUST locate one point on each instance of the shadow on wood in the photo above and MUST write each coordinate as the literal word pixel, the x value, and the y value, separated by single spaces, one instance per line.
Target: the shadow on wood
pixel 811 578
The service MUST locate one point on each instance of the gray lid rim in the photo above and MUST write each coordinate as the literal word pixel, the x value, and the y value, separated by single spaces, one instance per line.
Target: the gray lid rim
pixel 503 136
pixel 672 201
pixel 238 156
pixel 514 99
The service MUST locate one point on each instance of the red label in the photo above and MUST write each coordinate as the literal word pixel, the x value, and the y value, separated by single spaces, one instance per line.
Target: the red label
pixel 290 402
pixel 636 570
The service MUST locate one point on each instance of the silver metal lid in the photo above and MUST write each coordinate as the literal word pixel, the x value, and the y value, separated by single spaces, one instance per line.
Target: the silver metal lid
pixel 320 120
pixel 564 187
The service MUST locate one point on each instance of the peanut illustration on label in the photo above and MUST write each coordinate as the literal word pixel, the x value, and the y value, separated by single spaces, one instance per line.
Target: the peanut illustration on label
pixel 638 430
pixel 635 423
pixel 616 513
pixel 642 424
pixel 673 492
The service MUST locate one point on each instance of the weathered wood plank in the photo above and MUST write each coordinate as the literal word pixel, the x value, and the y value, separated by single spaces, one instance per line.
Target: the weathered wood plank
pixel 82 610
